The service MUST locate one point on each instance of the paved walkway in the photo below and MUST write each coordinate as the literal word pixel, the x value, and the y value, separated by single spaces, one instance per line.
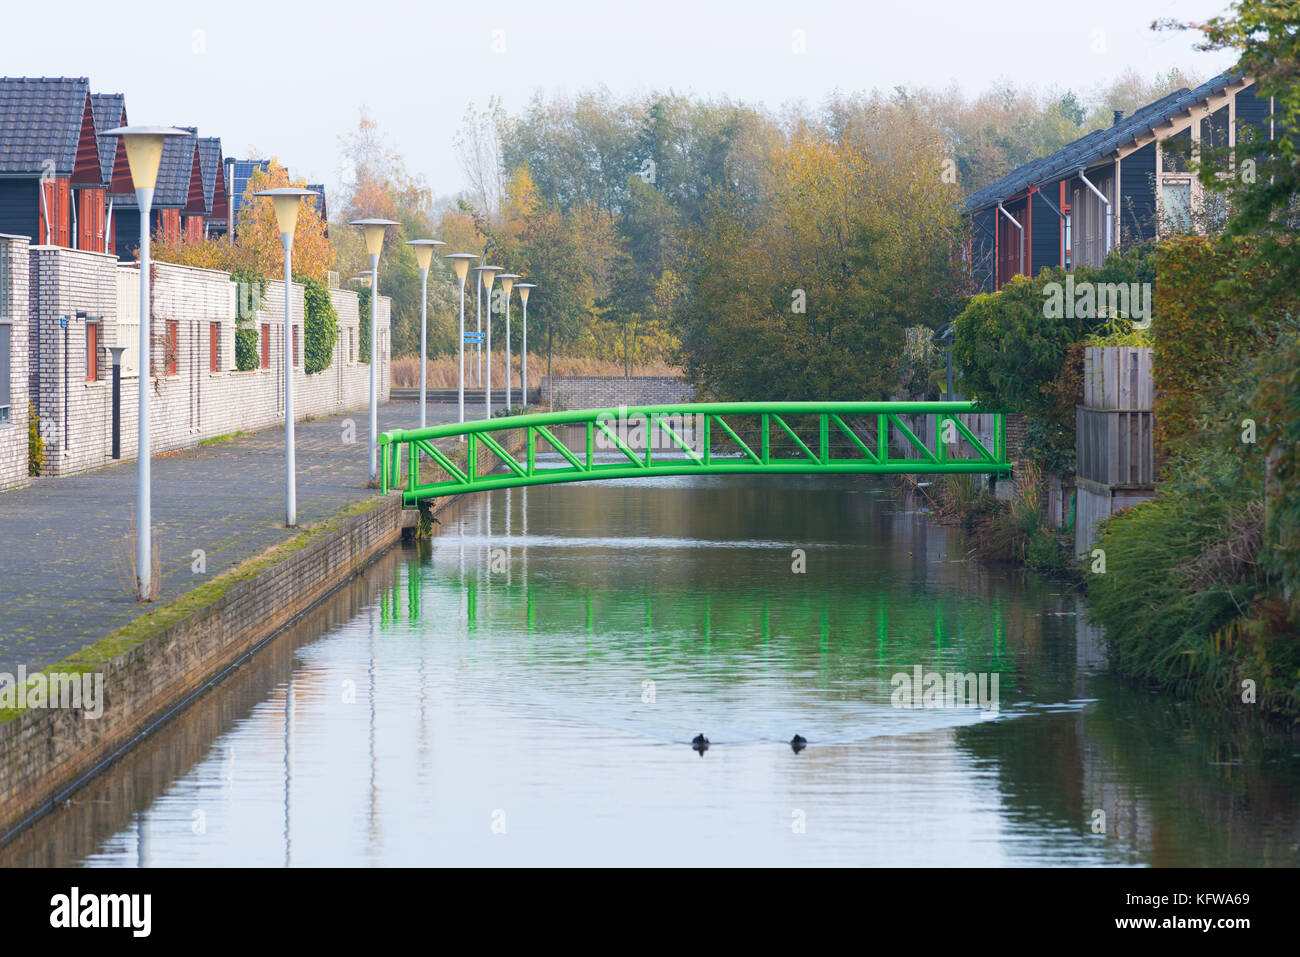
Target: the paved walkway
pixel 65 543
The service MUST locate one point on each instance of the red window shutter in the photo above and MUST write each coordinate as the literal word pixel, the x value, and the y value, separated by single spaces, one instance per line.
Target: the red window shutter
pixel 266 346
pixel 173 346
pixel 92 351
pixel 214 345
pixel 63 218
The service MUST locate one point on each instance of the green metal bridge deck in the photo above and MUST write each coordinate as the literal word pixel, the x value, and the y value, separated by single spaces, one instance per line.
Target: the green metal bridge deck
pixel 714 438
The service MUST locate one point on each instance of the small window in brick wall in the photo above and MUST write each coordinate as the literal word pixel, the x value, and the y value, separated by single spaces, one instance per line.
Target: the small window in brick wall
pixel 92 350
pixel 266 345
pixel 214 347
pixel 172 348
pixel 5 344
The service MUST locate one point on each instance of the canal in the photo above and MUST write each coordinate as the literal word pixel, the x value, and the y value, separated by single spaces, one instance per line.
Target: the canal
pixel 525 688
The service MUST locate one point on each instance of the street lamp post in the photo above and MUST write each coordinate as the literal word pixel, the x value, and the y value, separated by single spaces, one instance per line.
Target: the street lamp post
pixel 144 146
pixel 524 289
pixel 488 273
pixel 374 232
pixel 287 201
pixel 423 257
pixel 460 263
pixel 507 282
pixel 477 372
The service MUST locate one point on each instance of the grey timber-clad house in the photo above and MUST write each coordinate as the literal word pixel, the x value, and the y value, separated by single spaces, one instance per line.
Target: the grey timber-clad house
pixel 1112 187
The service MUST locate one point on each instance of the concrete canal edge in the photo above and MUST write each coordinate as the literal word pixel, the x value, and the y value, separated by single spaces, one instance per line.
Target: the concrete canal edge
pixel 157 663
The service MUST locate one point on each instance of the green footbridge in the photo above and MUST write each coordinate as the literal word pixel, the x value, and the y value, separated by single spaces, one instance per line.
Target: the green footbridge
pixel 712 438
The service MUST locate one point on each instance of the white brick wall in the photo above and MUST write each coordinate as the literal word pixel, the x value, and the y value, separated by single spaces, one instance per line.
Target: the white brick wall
pixel 13 436
pixel 194 403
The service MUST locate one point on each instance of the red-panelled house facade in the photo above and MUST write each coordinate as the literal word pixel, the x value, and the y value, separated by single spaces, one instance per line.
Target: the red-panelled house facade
pixel 52 188
pixel 109 110
pixel 178 194
pixel 216 195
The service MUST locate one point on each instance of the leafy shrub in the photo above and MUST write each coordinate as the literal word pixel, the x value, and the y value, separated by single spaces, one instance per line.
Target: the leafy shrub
pixel 1278 402
pixel 1206 324
pixel 1013 356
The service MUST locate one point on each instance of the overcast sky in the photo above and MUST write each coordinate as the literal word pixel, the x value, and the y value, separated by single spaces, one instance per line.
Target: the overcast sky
pixel 285 78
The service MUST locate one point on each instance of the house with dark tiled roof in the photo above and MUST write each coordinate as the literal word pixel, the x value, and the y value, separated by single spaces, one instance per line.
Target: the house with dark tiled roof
pixel 178 204
pixel 1114 186
pixel 51 180
pixel 109 110
pixel 216 196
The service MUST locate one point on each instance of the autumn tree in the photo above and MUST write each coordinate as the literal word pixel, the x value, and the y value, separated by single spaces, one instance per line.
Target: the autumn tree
pixel 259 234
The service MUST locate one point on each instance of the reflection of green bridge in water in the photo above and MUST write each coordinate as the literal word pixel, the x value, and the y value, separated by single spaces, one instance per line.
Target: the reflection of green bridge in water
pixel 696 439
pixel 859 630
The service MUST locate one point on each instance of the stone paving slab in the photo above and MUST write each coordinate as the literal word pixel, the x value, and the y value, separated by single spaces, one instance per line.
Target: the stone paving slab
pixel 66 543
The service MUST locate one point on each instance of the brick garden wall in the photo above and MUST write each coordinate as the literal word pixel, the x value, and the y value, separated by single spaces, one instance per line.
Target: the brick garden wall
pixel 605 392
pixel 191 403
pixel 13 434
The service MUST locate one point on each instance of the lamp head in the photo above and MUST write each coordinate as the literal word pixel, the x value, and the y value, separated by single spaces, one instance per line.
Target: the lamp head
pixel 287 200
pixel 508 280
pixel 374 230
pixel 524 289
pixel 460 263
pixel 488 273
pixel 424 250
pixel 144 146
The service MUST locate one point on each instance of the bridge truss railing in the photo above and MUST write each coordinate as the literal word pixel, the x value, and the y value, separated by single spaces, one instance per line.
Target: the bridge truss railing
pixel 705 438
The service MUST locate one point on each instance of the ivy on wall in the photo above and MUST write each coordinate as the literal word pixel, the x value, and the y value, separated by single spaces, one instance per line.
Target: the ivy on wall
pixel 321 325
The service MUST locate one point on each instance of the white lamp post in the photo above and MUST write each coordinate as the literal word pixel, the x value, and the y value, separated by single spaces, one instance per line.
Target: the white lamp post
pixel 144 145
pixel 288 200
pixel 460 263
pixel 488 273
pixel 423 257
pixel 374 231
pixel 524 289
pixel 476 373
pixel 507 282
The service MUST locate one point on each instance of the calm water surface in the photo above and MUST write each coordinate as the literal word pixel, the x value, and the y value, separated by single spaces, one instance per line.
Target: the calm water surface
pixel 524 691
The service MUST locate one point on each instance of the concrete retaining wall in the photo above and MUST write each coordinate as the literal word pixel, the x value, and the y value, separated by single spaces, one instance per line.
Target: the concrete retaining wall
pixel 607 392
pixel 44 750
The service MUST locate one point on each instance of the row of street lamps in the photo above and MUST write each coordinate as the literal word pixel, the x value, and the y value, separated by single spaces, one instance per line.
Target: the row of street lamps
pixel 144 145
